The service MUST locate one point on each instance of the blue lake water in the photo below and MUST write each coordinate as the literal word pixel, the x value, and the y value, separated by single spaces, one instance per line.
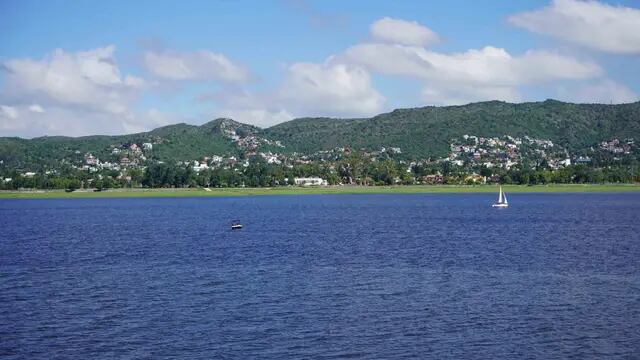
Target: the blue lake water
pixel 322 276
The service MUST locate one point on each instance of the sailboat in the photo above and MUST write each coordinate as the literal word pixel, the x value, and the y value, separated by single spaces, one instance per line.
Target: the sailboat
pixel 502 200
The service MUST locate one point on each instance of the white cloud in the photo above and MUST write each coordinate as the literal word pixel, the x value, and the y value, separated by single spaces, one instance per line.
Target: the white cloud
pixel 441 94
pixel 329 89
pixel 258 117
pixel 591 24
pixel 308 89
pixel 489 73
pixel 69 121
pixel 478 74
pixel 199 66
pixel 83 93
pixel 9 112
pixel 36 108
pixel 342 85
pixel 403 32
pixel 88 79
pixel 604 91
pixel 489 65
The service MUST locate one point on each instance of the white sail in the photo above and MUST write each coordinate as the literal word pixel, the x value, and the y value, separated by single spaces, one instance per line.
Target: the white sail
pixel 502 200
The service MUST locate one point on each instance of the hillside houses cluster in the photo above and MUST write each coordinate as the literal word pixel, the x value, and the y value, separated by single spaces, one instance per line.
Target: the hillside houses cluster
pixel 247 141
pixel 505 152
pixel 469 154
pixel 120 157
pixel 617 146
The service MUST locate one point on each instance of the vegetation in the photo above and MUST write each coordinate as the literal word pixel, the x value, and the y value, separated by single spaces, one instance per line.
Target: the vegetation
pixel 425 132
pixel 294 190
pixel 421 132
pixel 177 142
pixel 353 170
pixel 525 144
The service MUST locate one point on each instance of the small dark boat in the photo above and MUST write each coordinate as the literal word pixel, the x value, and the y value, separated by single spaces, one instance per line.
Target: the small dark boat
pixel 236 225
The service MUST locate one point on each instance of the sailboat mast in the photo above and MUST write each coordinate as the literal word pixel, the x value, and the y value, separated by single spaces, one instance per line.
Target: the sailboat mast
pixel 500 196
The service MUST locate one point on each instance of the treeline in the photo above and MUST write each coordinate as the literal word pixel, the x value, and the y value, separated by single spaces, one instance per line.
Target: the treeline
pixel 355 170
pixel 71 179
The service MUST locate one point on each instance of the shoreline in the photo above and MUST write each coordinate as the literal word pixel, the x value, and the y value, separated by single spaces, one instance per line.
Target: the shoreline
pixel 401 189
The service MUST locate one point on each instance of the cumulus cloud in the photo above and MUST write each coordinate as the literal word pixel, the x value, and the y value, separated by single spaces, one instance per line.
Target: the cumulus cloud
pixel 198 66
pixel 308 89
pixel 592 24
pixel 8 112
pixel 342 86
pixel 604 91
pixel 488 73
pixel 89 79
pixel 67 93
pixel 443 94
pixel 489 65
pixel 398 31
pixel 330 89
pixel 36 108
pixel 259 117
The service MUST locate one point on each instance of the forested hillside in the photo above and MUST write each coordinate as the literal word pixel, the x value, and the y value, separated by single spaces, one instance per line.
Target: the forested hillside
pixel 419 132
pixel 427 131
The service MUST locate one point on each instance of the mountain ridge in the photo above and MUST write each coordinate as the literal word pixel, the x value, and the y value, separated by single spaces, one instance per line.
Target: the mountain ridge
pixel 420 132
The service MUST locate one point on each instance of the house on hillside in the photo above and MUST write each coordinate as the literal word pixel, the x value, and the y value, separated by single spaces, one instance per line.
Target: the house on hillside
pixel 90 159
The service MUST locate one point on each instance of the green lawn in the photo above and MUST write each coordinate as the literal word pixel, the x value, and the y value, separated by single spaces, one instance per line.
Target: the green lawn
pixel 124 193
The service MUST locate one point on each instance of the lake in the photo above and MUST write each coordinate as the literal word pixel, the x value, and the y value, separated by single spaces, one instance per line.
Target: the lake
pixel 322 276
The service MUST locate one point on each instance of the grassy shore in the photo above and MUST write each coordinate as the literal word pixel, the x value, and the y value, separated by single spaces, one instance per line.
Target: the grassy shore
pixel 413 189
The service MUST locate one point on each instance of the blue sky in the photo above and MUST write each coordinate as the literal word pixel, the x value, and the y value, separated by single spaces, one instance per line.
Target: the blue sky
pixel 86 67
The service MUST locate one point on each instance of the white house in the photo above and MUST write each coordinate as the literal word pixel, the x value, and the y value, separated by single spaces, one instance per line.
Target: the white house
pixel 310 181
pixel 197 167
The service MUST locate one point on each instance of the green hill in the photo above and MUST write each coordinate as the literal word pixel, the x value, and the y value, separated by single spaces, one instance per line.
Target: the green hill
pixel 177 142
pixel 427 131
pixel 419 132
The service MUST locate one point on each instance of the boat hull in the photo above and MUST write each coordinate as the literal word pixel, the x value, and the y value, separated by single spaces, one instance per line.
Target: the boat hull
pixel 500 205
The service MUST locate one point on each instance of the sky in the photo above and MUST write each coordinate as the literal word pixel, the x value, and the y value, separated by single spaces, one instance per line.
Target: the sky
pixel 113 67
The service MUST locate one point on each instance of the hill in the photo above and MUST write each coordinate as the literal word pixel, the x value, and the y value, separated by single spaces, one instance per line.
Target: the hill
pixel 427 131
pixel 419 132
pixel 170 143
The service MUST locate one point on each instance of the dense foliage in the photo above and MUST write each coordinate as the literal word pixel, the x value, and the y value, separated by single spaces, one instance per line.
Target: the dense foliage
pixel 177 142
pixel 421 132
pixel 424 132
pixel 355 169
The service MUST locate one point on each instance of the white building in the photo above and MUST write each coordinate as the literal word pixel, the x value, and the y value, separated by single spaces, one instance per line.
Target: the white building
pixel 197 167
pixel 90 159
pixel 216 159
pixel 310 181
